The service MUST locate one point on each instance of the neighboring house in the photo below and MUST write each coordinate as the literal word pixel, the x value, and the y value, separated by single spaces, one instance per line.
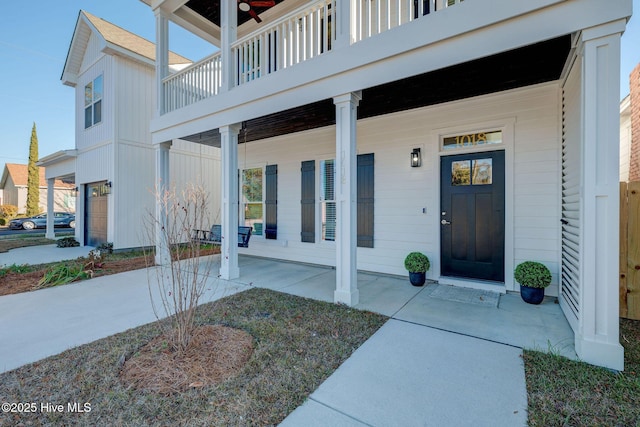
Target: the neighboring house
pixel 630 130
pixel 112 71
pixel 14 189
pixel 511 110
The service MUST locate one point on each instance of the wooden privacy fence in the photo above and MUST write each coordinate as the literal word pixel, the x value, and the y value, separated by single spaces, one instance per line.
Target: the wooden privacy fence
pixel 630 250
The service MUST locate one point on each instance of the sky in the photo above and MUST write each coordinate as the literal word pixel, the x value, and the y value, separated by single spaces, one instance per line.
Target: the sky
pixel 34 42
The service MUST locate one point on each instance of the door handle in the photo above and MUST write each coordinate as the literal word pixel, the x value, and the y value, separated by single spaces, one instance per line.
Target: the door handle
pixel 445 222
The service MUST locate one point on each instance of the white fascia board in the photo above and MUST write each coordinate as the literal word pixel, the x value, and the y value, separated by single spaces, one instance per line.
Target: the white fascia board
pixel 112 49
pixel 58 156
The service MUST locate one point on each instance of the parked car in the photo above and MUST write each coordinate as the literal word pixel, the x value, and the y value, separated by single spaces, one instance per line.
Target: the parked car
pixel 61 219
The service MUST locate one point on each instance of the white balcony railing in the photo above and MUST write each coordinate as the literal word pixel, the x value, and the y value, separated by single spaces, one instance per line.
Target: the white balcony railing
pixel 197 82
pixel 297 37
pixel 294 38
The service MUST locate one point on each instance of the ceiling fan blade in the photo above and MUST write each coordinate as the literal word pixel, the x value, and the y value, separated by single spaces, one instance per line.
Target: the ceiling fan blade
pixel 255 16
pixel 262 3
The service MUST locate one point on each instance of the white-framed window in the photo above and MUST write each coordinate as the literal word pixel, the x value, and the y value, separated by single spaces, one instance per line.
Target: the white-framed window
pixel 93 102
pixel 328 200
pixel 252 199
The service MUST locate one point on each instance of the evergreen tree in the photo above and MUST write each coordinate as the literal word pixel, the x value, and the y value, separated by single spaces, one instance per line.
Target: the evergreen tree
pixel 33 180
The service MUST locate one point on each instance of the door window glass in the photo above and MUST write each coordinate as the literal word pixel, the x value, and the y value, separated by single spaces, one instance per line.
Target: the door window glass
pixel 461 172
pixel 482 172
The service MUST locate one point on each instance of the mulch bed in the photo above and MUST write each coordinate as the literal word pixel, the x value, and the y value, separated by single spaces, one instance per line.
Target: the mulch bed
pixel 214 354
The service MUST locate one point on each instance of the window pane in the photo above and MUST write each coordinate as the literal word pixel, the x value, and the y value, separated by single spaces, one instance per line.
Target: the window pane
pixel 328 206
pixel 253 217
pixel 88 93
pixel 252 185
pixel 482 172
pixel 97 88
pixel 461 172
pixel 87 116
pixel 329 221
pixel 327 170
pixel 252 199
pixel 97 112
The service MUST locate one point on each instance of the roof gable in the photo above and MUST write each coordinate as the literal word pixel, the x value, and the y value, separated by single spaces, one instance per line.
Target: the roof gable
pixel 113 40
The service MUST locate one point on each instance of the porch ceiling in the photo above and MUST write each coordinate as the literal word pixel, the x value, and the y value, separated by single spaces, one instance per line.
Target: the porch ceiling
pixel 533 64
pixel 210 10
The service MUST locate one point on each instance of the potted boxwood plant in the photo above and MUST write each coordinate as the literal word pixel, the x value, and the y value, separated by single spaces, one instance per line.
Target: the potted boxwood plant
pixel 417 264
pixel 533 278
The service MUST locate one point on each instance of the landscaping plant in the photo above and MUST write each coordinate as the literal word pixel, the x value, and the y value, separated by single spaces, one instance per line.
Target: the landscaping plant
pixel 179 276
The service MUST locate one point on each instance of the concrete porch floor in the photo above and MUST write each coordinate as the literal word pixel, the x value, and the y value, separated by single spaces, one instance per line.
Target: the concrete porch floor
pixel 511 322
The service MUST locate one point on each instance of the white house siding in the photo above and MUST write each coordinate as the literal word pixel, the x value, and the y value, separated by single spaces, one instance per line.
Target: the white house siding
pixel 135 99
pixel 196 164
pixel 401 192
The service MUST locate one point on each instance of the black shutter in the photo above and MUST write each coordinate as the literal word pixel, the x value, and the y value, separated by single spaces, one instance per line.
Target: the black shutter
pixel 271 202
pixel 308 202
pixel 365 200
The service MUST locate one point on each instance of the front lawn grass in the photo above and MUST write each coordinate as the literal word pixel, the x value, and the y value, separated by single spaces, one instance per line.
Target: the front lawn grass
pixel 298 343
pixel 564 392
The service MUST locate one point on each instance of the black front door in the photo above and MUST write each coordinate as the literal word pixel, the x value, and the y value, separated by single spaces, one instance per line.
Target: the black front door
pixel 472 216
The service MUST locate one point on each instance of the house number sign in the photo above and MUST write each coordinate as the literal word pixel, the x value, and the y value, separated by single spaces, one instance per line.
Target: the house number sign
pixel 471 140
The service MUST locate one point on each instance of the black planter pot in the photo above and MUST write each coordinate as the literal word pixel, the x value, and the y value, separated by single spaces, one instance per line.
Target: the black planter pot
pixel 531 295
pixel 417 279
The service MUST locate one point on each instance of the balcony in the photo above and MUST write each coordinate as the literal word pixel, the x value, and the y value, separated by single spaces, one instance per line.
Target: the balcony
pixel 299 36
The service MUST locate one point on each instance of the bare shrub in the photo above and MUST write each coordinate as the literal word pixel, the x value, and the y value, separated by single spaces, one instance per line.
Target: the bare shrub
pixel 180 275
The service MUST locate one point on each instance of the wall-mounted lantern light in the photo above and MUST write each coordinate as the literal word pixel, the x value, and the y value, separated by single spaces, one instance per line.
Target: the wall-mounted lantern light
pixel 108 184
pixel 416 159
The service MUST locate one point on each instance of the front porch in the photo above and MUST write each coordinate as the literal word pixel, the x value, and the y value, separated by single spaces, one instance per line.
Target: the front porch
pixel 507 320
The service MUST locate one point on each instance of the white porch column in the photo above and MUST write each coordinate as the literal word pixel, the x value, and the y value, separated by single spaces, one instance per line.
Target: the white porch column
pixel 597 339
pixel 162 58
pixel 346 199
pixel 163 255
pixel 50 234
pixel 228 35
pixel 229 180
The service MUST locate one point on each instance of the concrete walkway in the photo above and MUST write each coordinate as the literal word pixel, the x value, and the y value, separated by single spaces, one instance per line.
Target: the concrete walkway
pixel 446 357
pixel 41 254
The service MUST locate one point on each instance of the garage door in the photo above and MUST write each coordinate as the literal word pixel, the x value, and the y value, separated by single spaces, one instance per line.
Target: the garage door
pixel 95 228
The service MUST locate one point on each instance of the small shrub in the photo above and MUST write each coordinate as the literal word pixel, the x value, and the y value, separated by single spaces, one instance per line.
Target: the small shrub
pixel 417 262
pixel 67 242
pixel 3 221
pixel 532 274
pixel 105 247
pixel 8 211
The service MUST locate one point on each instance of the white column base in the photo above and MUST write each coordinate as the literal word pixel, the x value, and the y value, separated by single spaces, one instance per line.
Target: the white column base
pixel 229 272
pixel 349 297
pixel 609 355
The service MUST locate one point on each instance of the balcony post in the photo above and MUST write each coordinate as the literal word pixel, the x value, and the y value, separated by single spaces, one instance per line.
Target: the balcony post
pixel 228 35
pixel 344 16
pixel 162 58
